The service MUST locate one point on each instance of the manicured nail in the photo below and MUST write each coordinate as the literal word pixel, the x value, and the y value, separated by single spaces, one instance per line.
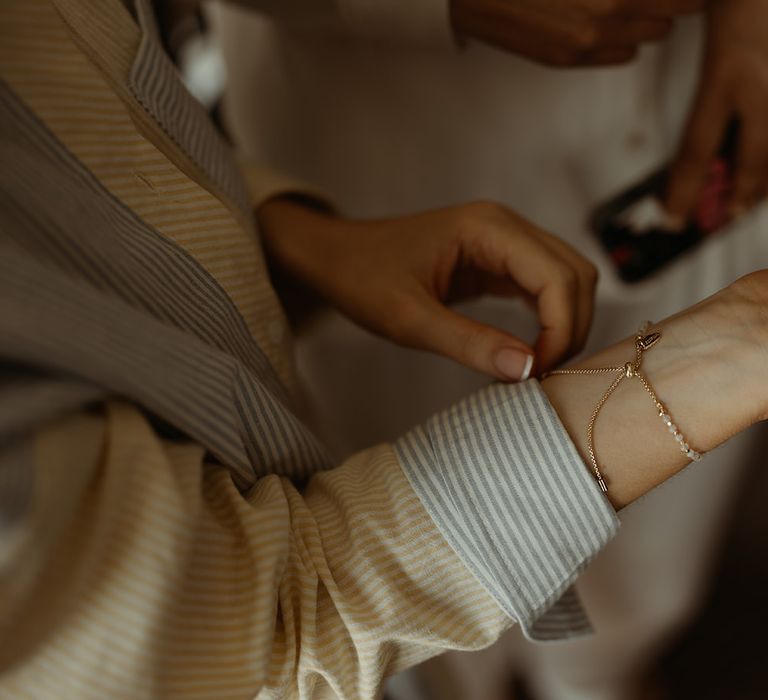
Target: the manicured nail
pixel 514 364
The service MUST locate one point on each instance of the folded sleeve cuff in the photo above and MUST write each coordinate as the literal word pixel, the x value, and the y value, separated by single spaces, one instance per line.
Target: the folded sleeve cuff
pixel 507 488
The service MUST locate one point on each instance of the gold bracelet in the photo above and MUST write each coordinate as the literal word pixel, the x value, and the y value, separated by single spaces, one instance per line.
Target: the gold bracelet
pixel 644 340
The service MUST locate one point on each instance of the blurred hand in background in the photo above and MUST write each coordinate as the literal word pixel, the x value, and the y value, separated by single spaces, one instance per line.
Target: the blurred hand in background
pixel 733 85
pixel 569 32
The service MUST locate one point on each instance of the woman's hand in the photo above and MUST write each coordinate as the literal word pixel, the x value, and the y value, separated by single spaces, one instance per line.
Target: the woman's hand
pixel 568 32
pixel 397 276
pixel 733 84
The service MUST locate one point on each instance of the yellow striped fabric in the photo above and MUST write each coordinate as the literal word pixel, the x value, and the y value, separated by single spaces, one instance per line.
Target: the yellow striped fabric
pixel 42 65
pixel 145 573
pixel 185 589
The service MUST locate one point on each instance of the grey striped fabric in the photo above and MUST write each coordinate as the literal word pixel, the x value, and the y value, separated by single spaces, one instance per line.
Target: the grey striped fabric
pixel 512 496
pixel 29 398
pixel 90 291
pixel 90 294
pixel 155 82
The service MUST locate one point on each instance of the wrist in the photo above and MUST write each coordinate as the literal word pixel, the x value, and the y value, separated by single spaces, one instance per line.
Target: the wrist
pixel 709 371
pixel 298 238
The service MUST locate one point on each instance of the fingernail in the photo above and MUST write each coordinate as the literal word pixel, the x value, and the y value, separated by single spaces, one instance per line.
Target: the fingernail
pixel 514 364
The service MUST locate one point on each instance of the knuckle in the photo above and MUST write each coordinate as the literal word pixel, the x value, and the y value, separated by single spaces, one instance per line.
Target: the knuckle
pixel 483 209
pixel 475 217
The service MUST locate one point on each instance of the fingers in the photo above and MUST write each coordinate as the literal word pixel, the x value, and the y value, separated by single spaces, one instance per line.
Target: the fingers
pixel 574 44
pixel 557 311
pixel 702 138
pixel 628 33
pixel 611 41
pixel 575 33
pixel 503 253
pixel 429 325
pixel 585 293
pixel 561 282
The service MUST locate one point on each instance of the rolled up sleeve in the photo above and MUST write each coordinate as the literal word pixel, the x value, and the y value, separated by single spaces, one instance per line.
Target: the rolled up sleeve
pixel 508 490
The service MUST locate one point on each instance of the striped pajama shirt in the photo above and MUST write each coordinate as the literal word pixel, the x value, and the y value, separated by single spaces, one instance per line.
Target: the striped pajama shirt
pixel 169 526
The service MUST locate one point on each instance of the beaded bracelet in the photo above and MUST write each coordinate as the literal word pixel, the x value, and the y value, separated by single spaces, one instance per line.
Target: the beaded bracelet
pixel 644 340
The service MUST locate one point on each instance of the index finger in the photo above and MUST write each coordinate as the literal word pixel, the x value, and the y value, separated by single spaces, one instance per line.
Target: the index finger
pixel 557 311
pixel 543 275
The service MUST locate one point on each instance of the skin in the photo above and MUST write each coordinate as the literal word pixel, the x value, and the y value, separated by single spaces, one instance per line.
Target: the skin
pixel 568 33
pixel 734 84
pixel 710 369
pixel 397 277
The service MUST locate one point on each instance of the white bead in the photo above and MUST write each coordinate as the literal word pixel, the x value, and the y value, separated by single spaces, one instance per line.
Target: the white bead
pixel 672 428
pixel 686 447
pixel 679 437
pixel 665 417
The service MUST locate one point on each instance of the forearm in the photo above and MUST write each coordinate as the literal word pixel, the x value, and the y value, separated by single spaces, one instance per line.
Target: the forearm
pixel 707 370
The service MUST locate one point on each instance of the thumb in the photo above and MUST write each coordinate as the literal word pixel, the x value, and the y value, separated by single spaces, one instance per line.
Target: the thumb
pixel 476 345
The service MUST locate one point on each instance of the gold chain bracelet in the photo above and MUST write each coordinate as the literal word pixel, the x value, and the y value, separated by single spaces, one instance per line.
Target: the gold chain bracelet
pixel 644 340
